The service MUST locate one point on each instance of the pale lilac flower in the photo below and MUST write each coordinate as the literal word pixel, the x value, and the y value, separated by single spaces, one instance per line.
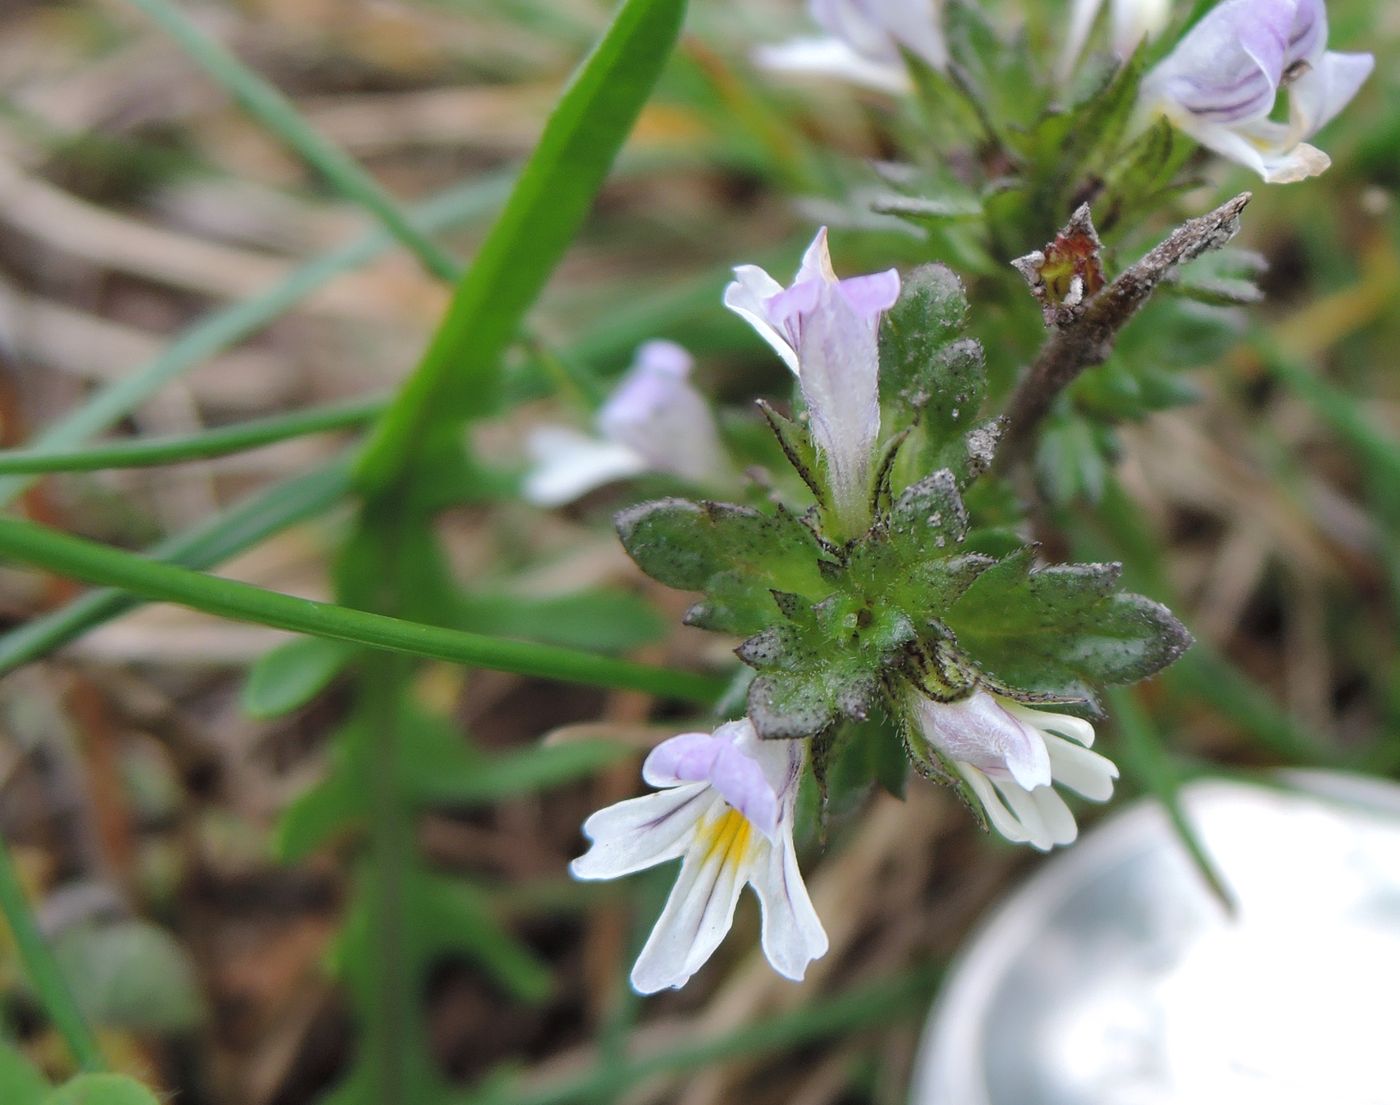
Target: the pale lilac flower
pixel 865 42
pixel 726 811
pixel 1011 755
pixel 1130 21
pixel 655 421
pixel 826 331
pixel 1221 83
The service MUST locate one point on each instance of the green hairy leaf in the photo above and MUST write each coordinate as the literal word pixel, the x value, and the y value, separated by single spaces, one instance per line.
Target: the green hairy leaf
pixel 1052 632
pixel 735 554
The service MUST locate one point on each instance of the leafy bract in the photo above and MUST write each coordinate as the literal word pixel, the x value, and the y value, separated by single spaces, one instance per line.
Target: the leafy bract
pixel 734 554
pixel 1053 632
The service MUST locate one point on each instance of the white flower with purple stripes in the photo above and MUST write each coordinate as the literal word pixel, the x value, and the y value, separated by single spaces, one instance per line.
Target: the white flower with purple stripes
pixel 1010 755
pixel 827 332
pixel 866 42
pixel 654 421
pixel 1222 81
pixel 726 811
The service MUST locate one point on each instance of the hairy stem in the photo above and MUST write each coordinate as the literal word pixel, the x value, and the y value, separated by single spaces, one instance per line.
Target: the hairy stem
pixel 1084 333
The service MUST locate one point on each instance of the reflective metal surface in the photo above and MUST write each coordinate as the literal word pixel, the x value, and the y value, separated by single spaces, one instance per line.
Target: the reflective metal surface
pixel 1113 977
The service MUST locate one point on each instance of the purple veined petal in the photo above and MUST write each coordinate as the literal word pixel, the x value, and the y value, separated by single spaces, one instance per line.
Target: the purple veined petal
pixel 840 380
pixel 566 464
pixel 1228 66
pixel 787 310
pixel 1318 95
pixel 782 762
pixel 871 296
pixel 686 758
pixel 833 58
pixel 1307 36
pixel 1082 770
pixel 700 909
pixel 642 832
pixel 717 761
pixel 978 731
pixel 792 933
pixel 747 296
pixel 657 414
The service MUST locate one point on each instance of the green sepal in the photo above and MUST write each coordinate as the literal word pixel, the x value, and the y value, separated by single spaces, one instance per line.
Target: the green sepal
pixel 796 444
pixel 1051 633
pixel 734 554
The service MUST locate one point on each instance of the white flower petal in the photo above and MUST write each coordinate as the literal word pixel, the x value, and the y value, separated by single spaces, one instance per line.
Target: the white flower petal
pixel 1083 771
pixel 568 464
pixel 1027 811
pixel 1067 725
pixel 748 298
pixel 1318 95
pixel 1002 819
pixel 981 730
pixel 1055 815
pixel 699 912
pixel 642 832
pixel 792 933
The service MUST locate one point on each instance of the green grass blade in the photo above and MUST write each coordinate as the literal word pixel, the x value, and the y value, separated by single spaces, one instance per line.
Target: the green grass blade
pixel 458 377
pixel 43 970
pixel 28 543
pixel 218 442
pixel 225 328
pixel 221 537
pixel 275 112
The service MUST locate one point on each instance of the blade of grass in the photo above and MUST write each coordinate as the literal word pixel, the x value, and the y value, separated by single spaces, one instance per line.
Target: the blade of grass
pixel 458 376
pixel 275 112
pixel 219 442
pixel 224 328
pixel 1153 766
pixel 221 537
pixel 29 543
pixel 876 1004
pixel 43 970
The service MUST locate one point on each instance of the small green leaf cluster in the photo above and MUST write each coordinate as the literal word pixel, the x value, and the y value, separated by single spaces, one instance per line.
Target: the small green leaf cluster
pixel 924 601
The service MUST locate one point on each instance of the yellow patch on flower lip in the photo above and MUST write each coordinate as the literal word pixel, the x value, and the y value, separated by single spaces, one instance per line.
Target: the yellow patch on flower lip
pixel 728 836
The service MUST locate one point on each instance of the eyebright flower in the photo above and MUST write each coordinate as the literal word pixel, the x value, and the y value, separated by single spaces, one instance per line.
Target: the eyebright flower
pixel 1221 83
pixel 826 331
pixel 1130 21
pixel 655 421
pixel 726 811
pixel 865 42
pixel 1010 755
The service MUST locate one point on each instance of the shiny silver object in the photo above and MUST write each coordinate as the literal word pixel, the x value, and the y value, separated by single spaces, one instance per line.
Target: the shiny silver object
pixel 1114 977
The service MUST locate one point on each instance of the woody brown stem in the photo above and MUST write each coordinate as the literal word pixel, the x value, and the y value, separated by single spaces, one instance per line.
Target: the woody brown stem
pixel 1084 335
